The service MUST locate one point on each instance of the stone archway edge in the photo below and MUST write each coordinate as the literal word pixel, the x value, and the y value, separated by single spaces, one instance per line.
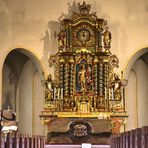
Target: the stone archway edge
pixel 31 53
pixel 132 58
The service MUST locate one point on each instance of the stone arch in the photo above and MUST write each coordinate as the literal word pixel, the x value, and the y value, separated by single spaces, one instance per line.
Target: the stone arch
pixel 132 59
pixel 136 73
pixel 29 82
pixel 31 53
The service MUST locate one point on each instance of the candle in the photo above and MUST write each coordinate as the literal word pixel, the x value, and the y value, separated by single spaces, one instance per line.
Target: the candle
pixel 61 93
pixel 122 96
pixel 112 94
pixel 54 93
pixel 105 94
pixel 109 93
pixel 58 93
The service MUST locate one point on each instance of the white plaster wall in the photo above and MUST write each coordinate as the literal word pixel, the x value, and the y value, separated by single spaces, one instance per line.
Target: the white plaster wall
pixel 26 24
pixel 131 102
pixel 25 98
pixel 137 96
pixel 6 87
pixel 142 89
pixel 38 104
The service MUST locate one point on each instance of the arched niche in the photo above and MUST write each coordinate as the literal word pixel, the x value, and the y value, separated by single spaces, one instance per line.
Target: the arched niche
pixel 133 58
pixel 136 92
pixel 22 89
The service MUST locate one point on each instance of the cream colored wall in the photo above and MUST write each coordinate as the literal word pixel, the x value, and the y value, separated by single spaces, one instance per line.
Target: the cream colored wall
pixel 142 89
pixel 131 98
pixel 29 24
pixel 30 101
pixel 24 23
pixel 38 104
pixel 8 97
pixel 137 96
pixel 26 98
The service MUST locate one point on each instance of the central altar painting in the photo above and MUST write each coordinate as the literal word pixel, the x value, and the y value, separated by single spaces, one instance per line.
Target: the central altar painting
pixel 85 100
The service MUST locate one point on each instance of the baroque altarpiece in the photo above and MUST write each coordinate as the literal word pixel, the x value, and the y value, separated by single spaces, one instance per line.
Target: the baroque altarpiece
pixel 86 97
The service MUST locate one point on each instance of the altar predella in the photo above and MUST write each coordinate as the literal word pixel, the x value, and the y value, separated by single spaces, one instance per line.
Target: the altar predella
pixel 85 101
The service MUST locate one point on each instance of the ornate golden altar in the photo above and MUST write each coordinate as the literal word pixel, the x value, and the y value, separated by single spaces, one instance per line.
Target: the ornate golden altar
pixel 85 87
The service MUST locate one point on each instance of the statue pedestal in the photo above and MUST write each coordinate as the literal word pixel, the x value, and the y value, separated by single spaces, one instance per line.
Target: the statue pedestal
pixel 118 120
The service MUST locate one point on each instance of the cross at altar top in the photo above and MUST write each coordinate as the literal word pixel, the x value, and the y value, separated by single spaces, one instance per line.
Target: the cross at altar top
pixel 84 8
pixel 84 11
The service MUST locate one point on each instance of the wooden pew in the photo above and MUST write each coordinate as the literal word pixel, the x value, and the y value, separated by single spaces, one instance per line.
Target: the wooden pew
pixel 22 141
pixel 137 138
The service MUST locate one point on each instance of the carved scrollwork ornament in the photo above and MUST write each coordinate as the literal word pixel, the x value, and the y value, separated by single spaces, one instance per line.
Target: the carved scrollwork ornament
pixel 54 62
pixel 61 39
pixel 53 59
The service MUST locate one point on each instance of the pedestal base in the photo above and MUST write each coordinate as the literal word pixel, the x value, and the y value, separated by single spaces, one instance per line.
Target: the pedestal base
pixel 77 131
pixel 74 146
pixel 66 139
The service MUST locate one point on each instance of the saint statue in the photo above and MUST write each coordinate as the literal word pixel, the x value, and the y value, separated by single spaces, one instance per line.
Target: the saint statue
pixel 47 83
pixel 82 77
pixel 107 39
pixel 62 38
pixel 117 86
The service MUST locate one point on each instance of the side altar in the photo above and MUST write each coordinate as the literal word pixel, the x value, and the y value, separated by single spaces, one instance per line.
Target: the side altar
pixel 85 101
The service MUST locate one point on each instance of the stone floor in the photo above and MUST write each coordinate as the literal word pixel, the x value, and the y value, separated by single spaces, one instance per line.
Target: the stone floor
pixel 76 146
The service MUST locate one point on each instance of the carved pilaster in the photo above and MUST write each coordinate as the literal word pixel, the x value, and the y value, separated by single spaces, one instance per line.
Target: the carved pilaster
pixel 95 74
pixel 61 75
pixel 71 78
pixel 100 75
pixel 66 78
pixel 95 78
pixel 105 71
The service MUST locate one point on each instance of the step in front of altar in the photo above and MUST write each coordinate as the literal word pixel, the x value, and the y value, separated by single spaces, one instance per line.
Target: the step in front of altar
pixel 75 146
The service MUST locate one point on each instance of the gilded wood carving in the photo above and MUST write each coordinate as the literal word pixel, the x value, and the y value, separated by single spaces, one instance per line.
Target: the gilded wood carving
pixel 84 80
